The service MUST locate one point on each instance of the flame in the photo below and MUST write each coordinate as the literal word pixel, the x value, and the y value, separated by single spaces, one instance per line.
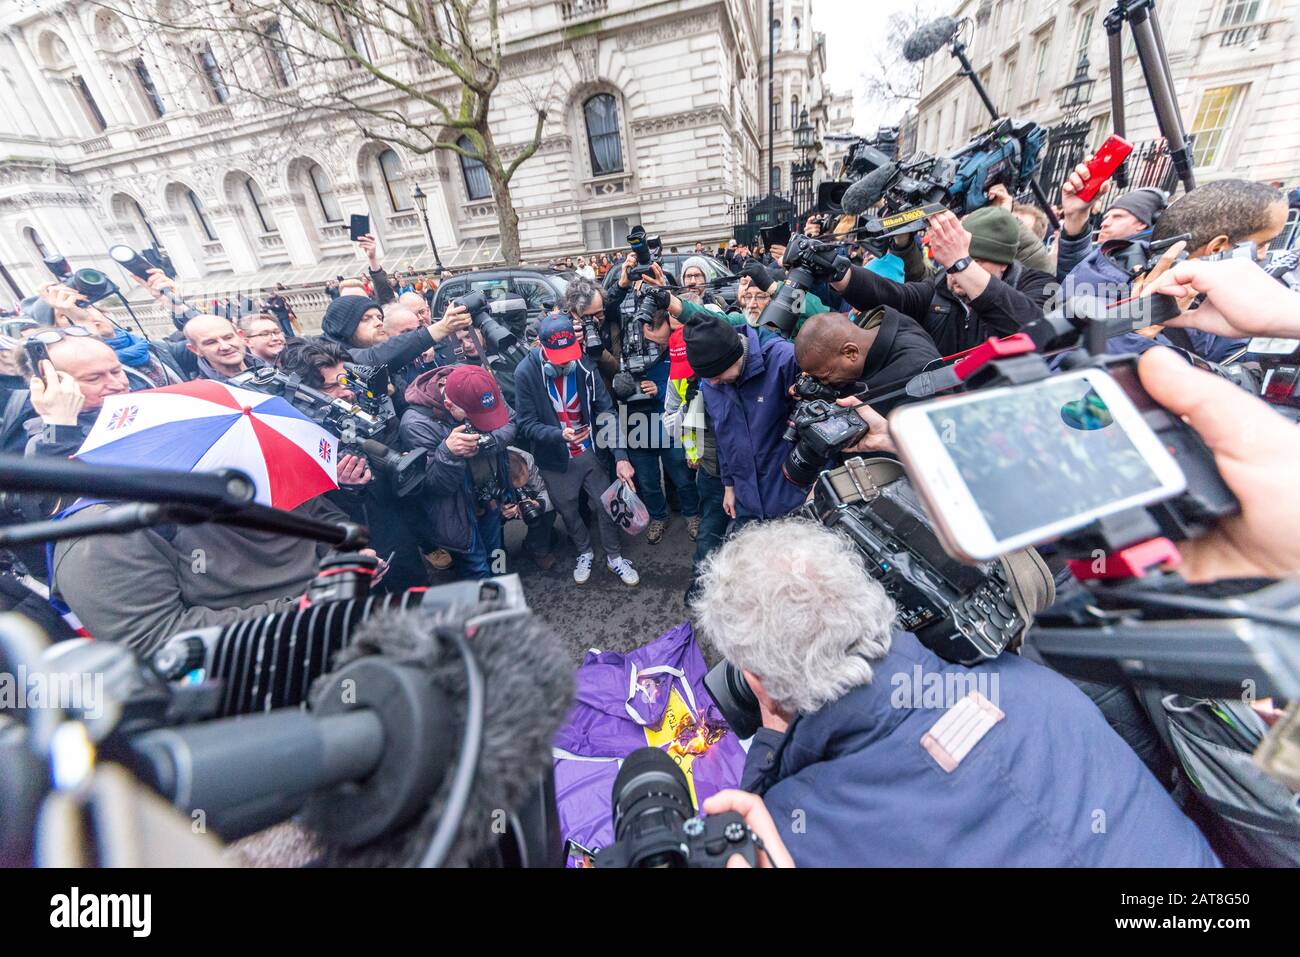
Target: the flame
pixel 693 738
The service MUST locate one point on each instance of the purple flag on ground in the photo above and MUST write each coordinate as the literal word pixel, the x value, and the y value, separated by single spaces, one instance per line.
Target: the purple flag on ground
pixel 653 695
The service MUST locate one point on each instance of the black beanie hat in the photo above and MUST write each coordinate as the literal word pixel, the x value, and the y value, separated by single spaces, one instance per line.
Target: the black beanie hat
pixel 1146 204
pixel 712 344
pixel 343 315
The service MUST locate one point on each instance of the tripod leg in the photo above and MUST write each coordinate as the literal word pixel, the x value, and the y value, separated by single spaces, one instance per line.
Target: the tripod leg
pixel 1163 102
pixel 1115 51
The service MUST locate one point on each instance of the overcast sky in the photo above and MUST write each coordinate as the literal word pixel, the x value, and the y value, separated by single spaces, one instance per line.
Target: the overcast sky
pixel 852 26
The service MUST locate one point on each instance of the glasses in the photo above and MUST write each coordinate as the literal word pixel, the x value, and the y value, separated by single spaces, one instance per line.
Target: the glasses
pixel 48 337
pixel 273 333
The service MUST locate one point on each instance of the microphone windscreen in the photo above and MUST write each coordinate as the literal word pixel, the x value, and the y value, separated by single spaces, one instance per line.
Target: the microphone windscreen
pixel 929 39
pixel 529 686
pixel 866 192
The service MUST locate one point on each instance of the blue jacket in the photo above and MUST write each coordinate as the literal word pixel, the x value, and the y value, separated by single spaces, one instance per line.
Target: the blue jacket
pixel 748 418
pixel 1049 785
pixel 539 424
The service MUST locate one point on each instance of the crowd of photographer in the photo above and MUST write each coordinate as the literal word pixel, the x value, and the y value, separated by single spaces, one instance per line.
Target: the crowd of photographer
pixel 451 426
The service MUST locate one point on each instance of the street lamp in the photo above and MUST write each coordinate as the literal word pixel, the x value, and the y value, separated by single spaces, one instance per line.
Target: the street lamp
pixel 422 203
pixel 803 141
pixel 1078 92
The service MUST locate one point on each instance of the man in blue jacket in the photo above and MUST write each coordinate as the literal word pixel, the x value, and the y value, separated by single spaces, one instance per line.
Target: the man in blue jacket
pixel 746 383
pixel 568 416
pixel 875 752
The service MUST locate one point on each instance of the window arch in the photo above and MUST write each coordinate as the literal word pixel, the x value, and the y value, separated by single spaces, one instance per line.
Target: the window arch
pixel 196 205
pixel 257 204
pixel 390 170
pixel 477 185
pixel 601 115
pixel 794 32
pixel 33 237
pixel 794 112
pixel 324 191
pixel 776 34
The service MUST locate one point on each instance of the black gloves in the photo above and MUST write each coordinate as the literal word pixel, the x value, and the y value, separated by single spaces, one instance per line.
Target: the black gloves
pixel 758 275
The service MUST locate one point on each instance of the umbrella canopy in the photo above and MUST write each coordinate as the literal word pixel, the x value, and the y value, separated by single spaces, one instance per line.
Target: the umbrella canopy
pixel 203 426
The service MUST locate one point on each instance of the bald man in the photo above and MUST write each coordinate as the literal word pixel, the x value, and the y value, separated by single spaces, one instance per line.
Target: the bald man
pixel 222 352
pixel 417 304
pixel 886 353
pixel 400 318
pixel 68 391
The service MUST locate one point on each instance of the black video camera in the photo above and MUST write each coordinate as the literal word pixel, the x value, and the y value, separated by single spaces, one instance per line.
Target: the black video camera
pixel 354 426
pixel 656 824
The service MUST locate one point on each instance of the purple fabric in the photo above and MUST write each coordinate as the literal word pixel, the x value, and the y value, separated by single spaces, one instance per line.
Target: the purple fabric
pixel 601 726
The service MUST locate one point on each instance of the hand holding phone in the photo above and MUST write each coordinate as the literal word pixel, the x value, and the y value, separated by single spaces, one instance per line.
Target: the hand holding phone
pixel 56 396
pixel 1002 468
pixel 1102 166
pixel 359 227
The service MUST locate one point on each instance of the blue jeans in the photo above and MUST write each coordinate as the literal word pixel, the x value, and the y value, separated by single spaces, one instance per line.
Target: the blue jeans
pixel 477 562
pixel 713 520
pixel 649 485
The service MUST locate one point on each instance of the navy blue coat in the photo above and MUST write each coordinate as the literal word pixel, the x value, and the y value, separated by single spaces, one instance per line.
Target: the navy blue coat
pixel 1049 785
pixel 748 418
pixel 539 424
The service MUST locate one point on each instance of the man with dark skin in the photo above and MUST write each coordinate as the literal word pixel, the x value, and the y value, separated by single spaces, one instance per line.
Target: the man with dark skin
pixel 834 350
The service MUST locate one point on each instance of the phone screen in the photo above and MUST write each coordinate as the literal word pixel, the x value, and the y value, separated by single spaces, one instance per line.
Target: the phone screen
pixel 360 226
pixel 1042 454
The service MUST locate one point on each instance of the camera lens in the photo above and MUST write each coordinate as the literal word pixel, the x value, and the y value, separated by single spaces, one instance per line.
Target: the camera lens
pixel 802 465
pixel 651 802
pixel 734 697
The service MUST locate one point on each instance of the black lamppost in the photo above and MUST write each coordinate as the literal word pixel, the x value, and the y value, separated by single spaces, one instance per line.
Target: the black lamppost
pixel 422 202
pixel 803 141
pixel 1077 94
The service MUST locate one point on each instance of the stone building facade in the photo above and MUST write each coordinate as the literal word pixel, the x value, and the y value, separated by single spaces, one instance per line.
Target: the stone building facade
pixel 654 116
pixel 1235 65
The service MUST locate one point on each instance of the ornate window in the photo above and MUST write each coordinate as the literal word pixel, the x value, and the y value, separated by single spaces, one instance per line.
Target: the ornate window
pixel 257 203
pixel 34 238
pixel 324 190
pixel 201 215
pixel 477 184
pixel 390 170
pixel 211 70
pixel 601 114
pixel 147 88
pixel 87 101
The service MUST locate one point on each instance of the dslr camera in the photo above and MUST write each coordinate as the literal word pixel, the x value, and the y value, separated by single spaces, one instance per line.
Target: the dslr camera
pixel 649 251
pixel 807 263
pixel 494 321
pixel 656 824
pixel 819 429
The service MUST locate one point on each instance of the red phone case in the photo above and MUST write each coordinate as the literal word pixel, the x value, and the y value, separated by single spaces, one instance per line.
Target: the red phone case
pixel 1102 166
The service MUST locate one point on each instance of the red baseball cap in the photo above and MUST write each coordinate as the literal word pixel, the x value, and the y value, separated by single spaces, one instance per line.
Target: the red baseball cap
pixel 474 390
pixel 558 340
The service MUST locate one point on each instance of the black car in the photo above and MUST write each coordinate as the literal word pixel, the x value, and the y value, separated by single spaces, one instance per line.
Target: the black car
pixel 722 281
pixel 541 289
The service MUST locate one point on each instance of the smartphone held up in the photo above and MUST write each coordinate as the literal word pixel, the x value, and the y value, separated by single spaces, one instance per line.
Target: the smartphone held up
pixel 1006 467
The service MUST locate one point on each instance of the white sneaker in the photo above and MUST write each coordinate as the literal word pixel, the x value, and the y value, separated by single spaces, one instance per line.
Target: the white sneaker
pixel 624 570
pixel 582 570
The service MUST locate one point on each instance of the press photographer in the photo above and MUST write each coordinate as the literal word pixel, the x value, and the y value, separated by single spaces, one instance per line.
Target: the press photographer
pixel 597 315
pixel 382 495
pixel 982 292
pixel 851 748
pixel 459 417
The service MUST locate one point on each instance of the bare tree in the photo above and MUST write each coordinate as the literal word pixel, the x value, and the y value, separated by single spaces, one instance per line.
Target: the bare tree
pixel 421 74
pixel 890 79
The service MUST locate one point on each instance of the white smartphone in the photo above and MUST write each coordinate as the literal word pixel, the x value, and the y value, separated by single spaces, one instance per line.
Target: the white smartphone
pixel 1007 467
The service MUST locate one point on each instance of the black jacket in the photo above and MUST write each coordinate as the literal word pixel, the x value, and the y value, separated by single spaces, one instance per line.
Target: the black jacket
pixel 901 350
pixel 539 424
pixel 1003 308
pixel 395 352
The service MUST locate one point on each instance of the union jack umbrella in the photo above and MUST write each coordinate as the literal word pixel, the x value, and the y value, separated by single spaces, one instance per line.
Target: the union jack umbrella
pixel 204 425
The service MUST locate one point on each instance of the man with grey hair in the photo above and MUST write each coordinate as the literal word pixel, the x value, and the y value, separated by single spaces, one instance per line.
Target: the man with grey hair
pixel 586 300
pixel 875 752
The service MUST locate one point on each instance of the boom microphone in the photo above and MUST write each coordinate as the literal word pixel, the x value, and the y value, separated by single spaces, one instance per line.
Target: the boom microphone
pixel 866 192
pixel 929 39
